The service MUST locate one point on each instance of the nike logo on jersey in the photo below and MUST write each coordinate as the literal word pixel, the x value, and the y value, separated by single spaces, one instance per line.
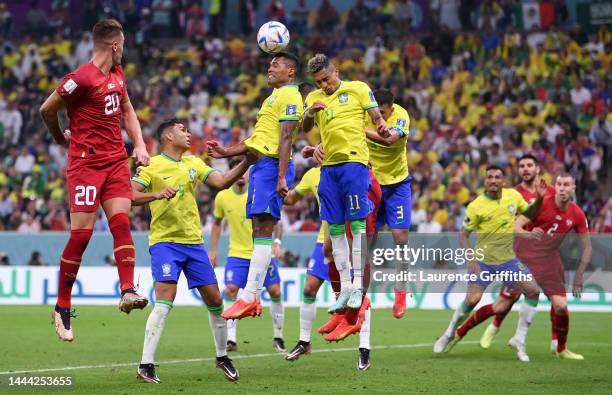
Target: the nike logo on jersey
pixel 165 178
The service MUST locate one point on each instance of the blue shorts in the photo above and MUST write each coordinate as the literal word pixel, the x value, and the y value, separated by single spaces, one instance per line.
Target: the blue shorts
pixel 262 197
pixel 513 266
pixel 237 272
pixel 396 206
pixel 169 259
pixel 343 190
pixel 316 265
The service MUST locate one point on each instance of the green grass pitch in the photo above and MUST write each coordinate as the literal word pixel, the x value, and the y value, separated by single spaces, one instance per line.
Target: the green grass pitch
pixel 110 344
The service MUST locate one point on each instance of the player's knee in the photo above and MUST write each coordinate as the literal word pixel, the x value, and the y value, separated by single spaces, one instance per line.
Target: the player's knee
pixel 310 290
pixel 400 236
pixel 472 300
pixel 502 305
pixel 274 292
pixel 214 301
pixel 328 251
pixel 560 307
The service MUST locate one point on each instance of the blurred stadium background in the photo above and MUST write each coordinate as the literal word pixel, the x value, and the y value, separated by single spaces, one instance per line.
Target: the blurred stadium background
pixel 483 81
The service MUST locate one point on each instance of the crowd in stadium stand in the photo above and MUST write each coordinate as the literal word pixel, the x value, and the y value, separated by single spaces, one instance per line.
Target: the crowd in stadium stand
pixel 478 91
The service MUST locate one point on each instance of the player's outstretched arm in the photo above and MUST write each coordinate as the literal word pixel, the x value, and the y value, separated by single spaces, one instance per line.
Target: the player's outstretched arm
pixel 284 153
pixel 585 261
pixel 223 180
pixel 292 198
pixel 386 141
pixel 132 127
pixel 379 121
pixel 48 111
pixel 215 234
pixel 277 248
pixel 534 207
pixel 217 151
pixel 141 197
pixel 464 242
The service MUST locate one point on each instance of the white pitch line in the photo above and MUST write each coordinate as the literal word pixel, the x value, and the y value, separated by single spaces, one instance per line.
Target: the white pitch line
pixel 250 356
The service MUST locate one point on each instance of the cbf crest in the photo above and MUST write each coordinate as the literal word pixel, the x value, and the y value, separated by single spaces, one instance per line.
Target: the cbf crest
pixel 343 98
pixel 192 174
pixel 271 100
pixel 166 270
pixel 511 208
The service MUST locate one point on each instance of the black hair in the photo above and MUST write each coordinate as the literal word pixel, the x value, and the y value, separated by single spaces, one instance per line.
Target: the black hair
pixel 528 156
pixel 164 126
pixel 292 60
pixel 495 167
pixel 384 97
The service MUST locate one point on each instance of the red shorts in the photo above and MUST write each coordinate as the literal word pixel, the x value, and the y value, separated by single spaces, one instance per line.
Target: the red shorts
pixel 92 180
pixel 547 272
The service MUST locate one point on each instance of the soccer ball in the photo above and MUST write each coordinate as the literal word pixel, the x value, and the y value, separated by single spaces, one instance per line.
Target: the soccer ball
pixel 273 37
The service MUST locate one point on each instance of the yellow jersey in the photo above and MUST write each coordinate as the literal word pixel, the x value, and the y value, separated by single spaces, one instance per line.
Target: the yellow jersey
pixel 284 104
pixel 342 123
pixel 310 184
pixel 390 164
pixel 176 220
pixel 232 206
pixel 494 222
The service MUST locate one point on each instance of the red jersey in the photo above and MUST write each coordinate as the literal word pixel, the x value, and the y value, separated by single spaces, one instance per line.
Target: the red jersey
pixel 556 224
pixel 93 101
pixel 530 197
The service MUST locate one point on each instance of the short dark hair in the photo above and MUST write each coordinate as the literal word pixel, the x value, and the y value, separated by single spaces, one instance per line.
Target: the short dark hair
pixel 106 29
pixel 290 58
pixel 165 125
pixel 495 167
pixel 528 156
pixel 565 174
pixel 384 97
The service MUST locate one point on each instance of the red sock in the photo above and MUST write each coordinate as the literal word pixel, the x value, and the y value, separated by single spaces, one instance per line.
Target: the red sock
pixel 334 276
pixel 480 315
pixel 70 263
pixel 553 335
pixel 123 245
pixel 561 325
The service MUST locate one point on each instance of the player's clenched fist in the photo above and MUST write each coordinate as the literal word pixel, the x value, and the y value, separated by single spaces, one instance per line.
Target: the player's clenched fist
pixel 141 155
pixel 315 108
pixel 381 128
pixel 167 193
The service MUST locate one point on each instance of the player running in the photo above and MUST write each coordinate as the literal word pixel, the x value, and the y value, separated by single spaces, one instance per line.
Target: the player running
pixel 231 205
pixel 537 245
pixel 96 99
pixel 270 176
pixel 492 215
pixel 529 171
pixel 389 161
pixel 175 239
pixel 338 108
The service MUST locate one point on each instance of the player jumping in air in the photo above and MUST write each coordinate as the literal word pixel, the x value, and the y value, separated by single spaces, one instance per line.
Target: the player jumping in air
pixel 96 99
pixel 231 205
pixel 316 273
pixel 339 109
pixel 492 215
pixel 389 161
pixel 270 176
pixel 537 245
pixel 175 239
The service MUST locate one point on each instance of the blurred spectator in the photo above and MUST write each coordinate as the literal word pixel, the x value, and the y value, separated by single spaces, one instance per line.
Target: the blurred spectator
pixel 299 17
pixel 4 259
pixel 36 21
pixel 11 122
pixel 25 162
pixel 35 259
pixel 276 11
pixel 327 17
pixel 6 21
pixel 29 224
pixel 430 225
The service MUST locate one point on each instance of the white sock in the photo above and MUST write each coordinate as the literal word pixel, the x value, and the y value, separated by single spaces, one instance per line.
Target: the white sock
pixel 262 254
pixel 308 312
pixel 277 311
pixel 357 258
pixel 458 317
pixel 364 335
pixel 232 325
pixel 340 250
pixel 154 330
pixel 218 326
pixel 401 267
pixel 526 315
